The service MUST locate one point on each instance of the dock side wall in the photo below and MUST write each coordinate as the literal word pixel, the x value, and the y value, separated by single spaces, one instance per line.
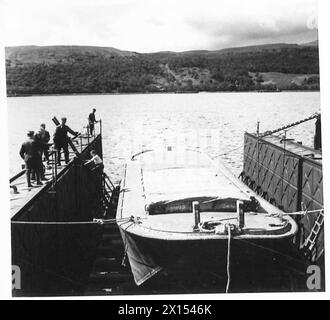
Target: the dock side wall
pixel 285 179
pixel 57 257
pixel 312 197
pixel 275 173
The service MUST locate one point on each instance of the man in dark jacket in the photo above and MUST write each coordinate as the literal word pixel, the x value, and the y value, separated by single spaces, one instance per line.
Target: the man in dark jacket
pixel 61 140
pixel 44 137
pixel 29 152
pixel 91 121
pixel 42 140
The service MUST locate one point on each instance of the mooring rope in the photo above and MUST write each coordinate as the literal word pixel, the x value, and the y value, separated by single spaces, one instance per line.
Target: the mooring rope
pixel 125 246
pixel 95 221
pixel 297 213
pixel 228 258
pixel 267 133
pixel 242 145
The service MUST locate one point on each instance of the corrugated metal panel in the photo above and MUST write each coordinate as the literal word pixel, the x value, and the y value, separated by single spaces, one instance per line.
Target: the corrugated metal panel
pixel 286 178
pixel 312 197
pixel 276 172
pixel 312 184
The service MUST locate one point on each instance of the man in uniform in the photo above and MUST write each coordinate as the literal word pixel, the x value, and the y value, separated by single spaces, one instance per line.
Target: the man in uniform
pixel 44 137
pixel 29 153
pixel 91 121
pixel 61 140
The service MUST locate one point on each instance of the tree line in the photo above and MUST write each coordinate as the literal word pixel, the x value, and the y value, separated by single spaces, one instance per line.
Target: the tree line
pixel 80 73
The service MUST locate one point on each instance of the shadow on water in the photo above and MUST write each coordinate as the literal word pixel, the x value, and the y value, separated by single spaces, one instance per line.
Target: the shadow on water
pixel 254 270
pixel 260 269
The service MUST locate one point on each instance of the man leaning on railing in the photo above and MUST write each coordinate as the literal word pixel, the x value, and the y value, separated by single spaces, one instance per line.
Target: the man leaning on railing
pixel 61 140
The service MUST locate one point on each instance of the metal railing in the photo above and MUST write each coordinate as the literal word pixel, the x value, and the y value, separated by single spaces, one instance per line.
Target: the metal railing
pixel 53 154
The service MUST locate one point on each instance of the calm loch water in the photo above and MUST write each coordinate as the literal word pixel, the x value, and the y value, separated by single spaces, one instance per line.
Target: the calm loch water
pixel 214 122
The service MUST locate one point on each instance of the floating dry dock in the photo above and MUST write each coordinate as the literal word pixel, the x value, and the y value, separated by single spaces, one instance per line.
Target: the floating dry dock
pixel 61 250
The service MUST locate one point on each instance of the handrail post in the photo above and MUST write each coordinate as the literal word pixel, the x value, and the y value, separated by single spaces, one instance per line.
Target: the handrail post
pixel 80 143
pixel 258 158
pixel 54 169
pixel 283 162
pixel 240 214
pixel 197 215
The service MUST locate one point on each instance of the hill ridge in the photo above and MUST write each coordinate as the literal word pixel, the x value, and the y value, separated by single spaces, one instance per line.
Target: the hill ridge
pixel 91 69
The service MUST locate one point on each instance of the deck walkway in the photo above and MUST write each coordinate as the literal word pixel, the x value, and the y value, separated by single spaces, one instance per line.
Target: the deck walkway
pixel 21 195
pixel 296 148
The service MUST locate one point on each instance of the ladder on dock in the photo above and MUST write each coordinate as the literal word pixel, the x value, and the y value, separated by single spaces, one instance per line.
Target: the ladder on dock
pixel 108 275
pixel 309 245
pixel 109 196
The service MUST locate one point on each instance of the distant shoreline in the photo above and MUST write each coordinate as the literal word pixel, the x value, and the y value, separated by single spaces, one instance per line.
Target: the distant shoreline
pixel 132 93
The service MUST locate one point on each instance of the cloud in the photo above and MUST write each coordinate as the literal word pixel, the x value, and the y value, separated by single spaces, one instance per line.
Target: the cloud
pixel 155 25
pixel 247 31
pixel 257 22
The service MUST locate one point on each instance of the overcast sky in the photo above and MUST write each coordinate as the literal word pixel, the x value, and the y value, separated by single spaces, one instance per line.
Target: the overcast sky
pixel 155 25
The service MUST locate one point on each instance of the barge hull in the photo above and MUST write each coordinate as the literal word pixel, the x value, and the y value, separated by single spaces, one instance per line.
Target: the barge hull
pixel 149 257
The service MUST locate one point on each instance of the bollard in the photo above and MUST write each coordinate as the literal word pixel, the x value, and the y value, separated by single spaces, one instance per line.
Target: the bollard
pixel 240 214
pixel 15 190
pixel 197 215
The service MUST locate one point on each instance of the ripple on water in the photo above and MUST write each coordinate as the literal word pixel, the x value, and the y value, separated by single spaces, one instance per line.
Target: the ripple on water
pixel 208 121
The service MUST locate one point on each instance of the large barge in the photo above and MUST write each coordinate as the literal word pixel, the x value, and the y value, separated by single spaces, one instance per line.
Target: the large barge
pixel 188 209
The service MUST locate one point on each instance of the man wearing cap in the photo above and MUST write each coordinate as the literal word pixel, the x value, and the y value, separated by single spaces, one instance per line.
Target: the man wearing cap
pixel 43 137
pixel 61 140
pixel 91 121
pixel 29 153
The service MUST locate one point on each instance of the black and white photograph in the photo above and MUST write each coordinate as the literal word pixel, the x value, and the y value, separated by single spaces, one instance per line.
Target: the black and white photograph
pixel 161 147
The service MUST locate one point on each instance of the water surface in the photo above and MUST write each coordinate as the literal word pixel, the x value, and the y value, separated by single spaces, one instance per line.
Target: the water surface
pixel 214 122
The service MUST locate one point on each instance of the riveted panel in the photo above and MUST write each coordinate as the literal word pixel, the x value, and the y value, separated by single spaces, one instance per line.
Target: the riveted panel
pixel 280 174
pixel 312 197
pixel 274 169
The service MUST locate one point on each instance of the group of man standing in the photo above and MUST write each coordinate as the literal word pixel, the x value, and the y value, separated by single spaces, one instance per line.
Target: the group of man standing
pixel 37 145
